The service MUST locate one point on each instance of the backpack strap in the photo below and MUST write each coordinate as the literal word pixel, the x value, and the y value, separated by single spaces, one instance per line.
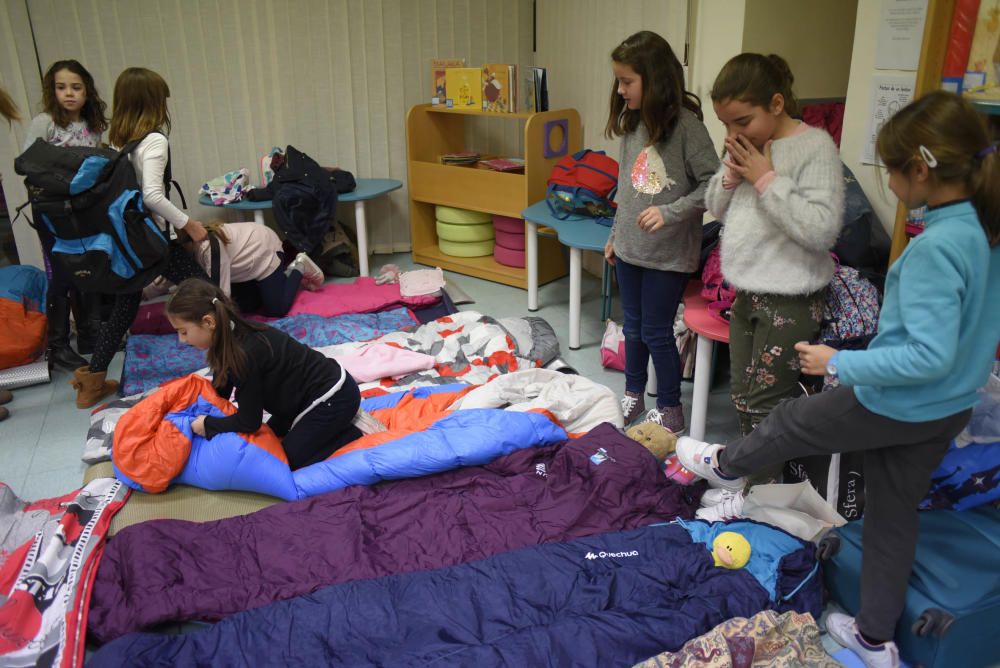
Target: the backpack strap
pixel 168 178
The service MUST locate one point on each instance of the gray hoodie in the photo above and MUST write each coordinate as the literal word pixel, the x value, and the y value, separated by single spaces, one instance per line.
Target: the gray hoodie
pixel 690 161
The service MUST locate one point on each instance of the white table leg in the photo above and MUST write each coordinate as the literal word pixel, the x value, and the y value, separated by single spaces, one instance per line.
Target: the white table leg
pixel 362 230
pixel 702 379
pixel 258 216
pixel 575 270
pixel 651 386
pixel 531 246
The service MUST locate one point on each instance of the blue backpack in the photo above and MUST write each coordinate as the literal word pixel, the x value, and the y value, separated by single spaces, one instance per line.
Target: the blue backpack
pixel 583 184
pixel 90 200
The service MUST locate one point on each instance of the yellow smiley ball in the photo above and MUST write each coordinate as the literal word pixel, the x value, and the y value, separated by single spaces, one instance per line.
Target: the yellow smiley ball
pixel 730 550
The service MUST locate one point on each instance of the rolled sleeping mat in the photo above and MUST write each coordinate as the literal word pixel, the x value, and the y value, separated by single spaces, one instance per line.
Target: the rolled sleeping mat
pixel 508 240
pixel 464 233
pixel 449 214
pixel 508 257
pixel 508 224
pixel 466 249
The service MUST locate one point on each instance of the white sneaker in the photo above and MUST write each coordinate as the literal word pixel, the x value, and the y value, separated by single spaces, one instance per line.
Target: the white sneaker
pixel 721 505
pixel 844 630
pixel 700 458
pixel 312 275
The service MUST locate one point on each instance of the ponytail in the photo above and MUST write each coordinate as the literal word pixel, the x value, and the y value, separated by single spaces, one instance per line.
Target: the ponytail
pixel 195 299
pixel 957 136
pixel 986 192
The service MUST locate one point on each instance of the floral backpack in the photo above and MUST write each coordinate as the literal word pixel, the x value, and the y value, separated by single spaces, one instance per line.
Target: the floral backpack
pixel 850 316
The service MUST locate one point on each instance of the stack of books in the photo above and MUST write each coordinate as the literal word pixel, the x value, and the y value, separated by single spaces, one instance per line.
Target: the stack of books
pixel 503 164
pixel 460 158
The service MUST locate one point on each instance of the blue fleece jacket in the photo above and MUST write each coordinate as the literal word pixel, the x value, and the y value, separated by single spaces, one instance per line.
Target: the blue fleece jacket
pixel 939 326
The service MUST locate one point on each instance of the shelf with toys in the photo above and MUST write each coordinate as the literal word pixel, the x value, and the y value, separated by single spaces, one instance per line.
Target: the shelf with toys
pixel 434 130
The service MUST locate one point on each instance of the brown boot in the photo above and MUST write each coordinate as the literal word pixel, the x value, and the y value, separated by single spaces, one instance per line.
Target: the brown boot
pixel 91 387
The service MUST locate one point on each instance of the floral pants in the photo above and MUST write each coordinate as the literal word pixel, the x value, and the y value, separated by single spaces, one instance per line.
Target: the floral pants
pixel 764 367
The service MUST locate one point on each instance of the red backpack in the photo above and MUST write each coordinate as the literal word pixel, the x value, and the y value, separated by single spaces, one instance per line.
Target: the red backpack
pixel 583 184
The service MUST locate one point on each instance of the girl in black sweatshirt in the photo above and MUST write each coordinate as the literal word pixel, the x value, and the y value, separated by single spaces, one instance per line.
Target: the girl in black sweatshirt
pixel 311 399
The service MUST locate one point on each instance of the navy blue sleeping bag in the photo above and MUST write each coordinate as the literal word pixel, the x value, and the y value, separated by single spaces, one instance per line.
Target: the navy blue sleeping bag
pixel 612 599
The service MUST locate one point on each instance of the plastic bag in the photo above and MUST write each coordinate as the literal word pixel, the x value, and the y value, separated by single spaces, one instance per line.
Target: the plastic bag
pixel 613 347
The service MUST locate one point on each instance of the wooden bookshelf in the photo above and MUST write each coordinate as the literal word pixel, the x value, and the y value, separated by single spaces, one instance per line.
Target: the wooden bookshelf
pixel 432 130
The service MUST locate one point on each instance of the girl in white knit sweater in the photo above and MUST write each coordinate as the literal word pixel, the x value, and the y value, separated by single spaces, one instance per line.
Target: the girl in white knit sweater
pixel 780 195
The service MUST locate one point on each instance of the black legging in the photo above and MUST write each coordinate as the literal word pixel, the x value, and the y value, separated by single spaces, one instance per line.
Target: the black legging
pixel 180 266
pixel 323 430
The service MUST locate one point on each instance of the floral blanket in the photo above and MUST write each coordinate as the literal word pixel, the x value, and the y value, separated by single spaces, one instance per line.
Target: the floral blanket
pixel 789 640
pixel 468 347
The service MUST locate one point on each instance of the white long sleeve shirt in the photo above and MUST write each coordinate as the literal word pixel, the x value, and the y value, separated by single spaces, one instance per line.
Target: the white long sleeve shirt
pixel 150 161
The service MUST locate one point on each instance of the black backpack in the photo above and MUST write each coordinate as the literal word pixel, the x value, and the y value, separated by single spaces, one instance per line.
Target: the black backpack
pixel 91 202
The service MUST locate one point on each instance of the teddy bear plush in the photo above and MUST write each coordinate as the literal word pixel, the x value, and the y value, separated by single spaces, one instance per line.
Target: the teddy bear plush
pixel 657 439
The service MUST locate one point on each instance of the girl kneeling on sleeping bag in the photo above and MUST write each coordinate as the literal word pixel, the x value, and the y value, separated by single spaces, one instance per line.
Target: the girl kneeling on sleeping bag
pixel 311 399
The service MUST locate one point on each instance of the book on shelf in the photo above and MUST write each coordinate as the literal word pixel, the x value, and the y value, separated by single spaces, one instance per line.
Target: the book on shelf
pixel 460 158
pixel 956 57
pixel 535 90
pixel 982 73
pixel 503 164
pixel 438 81
pixel 499 81
pixel 464 88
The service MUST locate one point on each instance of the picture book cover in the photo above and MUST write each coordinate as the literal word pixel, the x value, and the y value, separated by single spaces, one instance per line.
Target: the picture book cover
pixel 528 90
pixel 983 70
pixel 512 77
pixel 464 87
pixel 438 67
pixel 496 88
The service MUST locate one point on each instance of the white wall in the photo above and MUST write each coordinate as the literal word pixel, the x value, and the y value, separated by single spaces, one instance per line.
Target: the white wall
pixel 814 36
pixel 575 41
pixel 856 113
pixel 334 78
pixel 717 36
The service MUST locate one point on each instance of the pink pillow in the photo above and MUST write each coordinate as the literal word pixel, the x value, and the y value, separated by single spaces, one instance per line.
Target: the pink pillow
pixel 511 258
pixel 508 224
pixel 510 240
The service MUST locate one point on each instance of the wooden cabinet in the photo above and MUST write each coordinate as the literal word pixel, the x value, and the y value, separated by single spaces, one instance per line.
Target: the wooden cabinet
pixel 434 130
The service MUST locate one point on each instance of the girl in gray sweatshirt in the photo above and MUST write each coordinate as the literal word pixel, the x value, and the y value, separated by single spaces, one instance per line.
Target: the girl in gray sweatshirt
pixel 666 161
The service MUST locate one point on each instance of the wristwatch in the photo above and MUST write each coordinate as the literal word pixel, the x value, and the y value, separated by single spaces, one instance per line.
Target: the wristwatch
pixel 831 365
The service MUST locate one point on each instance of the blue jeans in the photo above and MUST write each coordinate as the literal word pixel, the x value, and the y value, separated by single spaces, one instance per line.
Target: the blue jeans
pixel 649 299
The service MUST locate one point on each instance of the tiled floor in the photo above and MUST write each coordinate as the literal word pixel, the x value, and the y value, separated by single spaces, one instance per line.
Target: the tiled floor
pixel 41 442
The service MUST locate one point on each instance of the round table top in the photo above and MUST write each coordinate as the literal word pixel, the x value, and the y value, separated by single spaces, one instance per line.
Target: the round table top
pixel 367 189
pixel 575 231
pixel 697 316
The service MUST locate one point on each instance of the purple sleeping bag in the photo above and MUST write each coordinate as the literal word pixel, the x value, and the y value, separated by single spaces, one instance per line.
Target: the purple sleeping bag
pixel 170 570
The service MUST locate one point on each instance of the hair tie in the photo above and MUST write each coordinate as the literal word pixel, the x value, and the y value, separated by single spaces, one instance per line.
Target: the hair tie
pixel 215 300
pixel 992 148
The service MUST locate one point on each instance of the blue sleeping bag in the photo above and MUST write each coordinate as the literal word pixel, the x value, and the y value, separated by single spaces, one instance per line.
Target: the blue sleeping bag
pixel 612 599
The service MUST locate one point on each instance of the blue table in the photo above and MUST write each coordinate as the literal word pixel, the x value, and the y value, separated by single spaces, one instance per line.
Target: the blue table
pixel 367 189
pixel 578 233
